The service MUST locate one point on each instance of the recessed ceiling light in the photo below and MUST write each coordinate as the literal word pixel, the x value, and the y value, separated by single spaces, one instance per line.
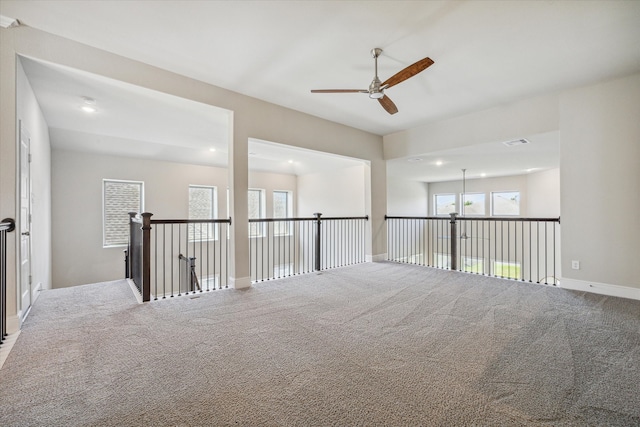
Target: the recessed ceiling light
pixel 290 161
pixel 414 159
pixel 89 105
pixel 439 163
pixel 483 174
pixel 212 149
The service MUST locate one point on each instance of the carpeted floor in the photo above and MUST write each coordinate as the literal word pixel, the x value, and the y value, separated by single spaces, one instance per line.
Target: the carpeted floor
pixel 376 344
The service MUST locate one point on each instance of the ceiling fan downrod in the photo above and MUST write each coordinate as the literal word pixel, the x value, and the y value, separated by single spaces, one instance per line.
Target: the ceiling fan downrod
pixel 374 88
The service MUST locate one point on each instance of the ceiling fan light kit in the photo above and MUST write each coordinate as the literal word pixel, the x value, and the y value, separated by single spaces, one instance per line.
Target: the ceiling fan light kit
pixel 377 87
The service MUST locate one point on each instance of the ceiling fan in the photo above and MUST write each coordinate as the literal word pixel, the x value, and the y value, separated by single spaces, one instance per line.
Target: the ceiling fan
pixel 377 88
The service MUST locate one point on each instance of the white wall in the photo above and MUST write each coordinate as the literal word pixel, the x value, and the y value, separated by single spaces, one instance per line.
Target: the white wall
pixel 252 118
pixel 337 193
pixel 78 254
pixel 543 194
pixel 483 185
pixel 600 176
pixel 407 198
pixel 271 182
pixel 29 113
pixel 503 123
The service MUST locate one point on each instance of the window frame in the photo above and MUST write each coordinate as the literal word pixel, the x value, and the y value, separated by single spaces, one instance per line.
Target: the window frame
pixel 212 231
pixel 289 214
pixel 435 204
pixel 263 210
pixel 104 205
pixel 463 196
pixel 493 213
pixel 517 266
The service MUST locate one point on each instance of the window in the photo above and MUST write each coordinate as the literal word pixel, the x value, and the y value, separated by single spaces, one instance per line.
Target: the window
pixel 472 265
pixel 509 270
pixel 505 203
pixel 282 208
pixel 472 204
pixel 202 205
pixel 118 199
pixel 444 204
pixel 256 210
pixel 441 260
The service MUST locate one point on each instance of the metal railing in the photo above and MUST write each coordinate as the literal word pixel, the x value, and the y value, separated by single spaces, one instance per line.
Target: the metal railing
pixel 282 247
pixel 174 257
pixel 6 226
pixel 523 249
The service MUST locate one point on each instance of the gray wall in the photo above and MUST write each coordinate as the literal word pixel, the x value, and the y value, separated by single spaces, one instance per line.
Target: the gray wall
pixel 78 254
pixel 336 193
pixel 599 156
pixel 252 118
pixel 600 176
pixel 540 193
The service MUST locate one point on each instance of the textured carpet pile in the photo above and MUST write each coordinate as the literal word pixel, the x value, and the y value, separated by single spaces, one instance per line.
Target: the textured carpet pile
pixel 376 344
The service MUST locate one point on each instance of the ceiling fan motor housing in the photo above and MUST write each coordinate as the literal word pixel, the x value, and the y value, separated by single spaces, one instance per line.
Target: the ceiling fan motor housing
pixel 374 89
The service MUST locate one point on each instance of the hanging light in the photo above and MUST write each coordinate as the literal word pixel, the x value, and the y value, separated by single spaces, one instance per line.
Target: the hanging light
pixel 464 192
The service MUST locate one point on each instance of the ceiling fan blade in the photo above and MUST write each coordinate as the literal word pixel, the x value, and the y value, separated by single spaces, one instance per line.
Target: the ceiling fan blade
pixel 410 71
pixel 339 90
pixel 388 104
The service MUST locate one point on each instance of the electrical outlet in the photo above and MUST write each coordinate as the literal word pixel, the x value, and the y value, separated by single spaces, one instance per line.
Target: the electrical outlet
pixel 575 265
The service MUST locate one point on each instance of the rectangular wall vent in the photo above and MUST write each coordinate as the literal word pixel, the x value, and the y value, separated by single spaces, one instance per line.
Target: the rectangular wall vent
pixel 516 142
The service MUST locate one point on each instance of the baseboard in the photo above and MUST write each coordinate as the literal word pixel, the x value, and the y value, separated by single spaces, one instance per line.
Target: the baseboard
pixel 7 345
pixel 376 258
pixel 600 288
pixel 36 292
pixel 240 282
pixel 13 324
pixel 135 291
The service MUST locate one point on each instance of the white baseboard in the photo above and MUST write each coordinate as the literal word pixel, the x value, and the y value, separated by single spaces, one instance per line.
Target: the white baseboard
pixel 240 282
pixel 600 288
pixel 13 324
pixel 376 258
pixel 7 345
pixel 135 290
pixel 36 292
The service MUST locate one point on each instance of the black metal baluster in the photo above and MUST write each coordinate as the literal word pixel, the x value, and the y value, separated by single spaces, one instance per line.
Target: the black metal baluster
pixel 522 255
pixel 555 280
pixel 155 284
pixel 431 244
pixel 538 252
pixel 546 248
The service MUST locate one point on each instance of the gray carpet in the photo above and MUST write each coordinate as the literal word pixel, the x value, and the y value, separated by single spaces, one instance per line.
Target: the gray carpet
pixel 371 344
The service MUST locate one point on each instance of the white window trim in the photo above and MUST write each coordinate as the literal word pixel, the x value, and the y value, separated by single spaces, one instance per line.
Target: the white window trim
pixel 214 213
pixel 104 235
pixel 263 212
pixel 435 203
pixel 506 191
pixel 289 212
pixel 462 195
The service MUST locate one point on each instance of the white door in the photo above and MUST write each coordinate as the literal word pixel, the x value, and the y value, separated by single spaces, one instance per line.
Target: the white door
pixel 25 223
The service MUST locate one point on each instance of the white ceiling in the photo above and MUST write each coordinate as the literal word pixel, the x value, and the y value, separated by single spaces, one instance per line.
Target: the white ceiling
pixel 486 160
pixel 137 122
pixel 486 53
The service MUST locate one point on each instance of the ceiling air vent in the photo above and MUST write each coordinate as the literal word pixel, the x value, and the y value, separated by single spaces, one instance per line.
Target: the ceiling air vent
pixel 516 142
